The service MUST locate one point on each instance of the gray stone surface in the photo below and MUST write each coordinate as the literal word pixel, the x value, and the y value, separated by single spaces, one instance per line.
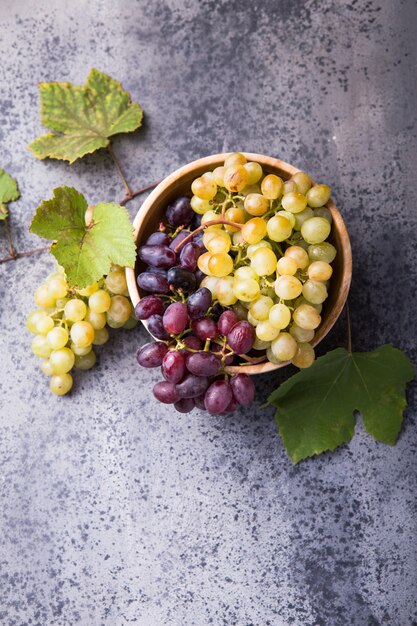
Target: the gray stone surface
pixel 113 509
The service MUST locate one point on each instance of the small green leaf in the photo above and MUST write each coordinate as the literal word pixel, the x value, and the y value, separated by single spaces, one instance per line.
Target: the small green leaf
pixel 86 251
pixel 8 192
pixel 315 406
pixel 83 118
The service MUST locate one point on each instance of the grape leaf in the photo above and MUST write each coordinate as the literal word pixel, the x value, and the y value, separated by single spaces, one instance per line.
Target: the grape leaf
pixel 85 250
pixel 83 117
pixel 8 192
pixel 315 407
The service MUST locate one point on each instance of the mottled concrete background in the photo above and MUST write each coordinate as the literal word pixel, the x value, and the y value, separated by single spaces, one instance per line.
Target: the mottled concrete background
pixel 115 511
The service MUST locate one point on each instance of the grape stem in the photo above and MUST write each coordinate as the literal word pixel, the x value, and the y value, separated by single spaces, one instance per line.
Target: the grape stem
pixel 119 170
pixel 349 331
pixel 19 255
pixel 12 250
pixel 138 192
pixel 202 227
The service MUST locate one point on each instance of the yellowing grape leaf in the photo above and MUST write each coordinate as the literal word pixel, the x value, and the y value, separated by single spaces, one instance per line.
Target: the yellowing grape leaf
pixel 315 406
pixel 8 192
pixel 83 117
pixel 85 250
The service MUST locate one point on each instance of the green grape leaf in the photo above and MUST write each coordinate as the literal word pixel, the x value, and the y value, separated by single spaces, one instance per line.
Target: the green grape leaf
pixel 86 250
pixel 315 407
pixel 8 192
pixel 83 118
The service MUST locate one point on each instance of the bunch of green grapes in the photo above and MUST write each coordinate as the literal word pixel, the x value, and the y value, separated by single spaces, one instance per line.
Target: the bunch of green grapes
pixel 271 261
pixel 69 323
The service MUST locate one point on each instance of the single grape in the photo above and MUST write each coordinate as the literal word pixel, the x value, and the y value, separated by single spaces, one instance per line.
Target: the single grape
pixel 156 327
pixel 235 178
pixel 155 282
pixel 243 388
pixel 158 256
pixel 191 342
pixel 152 354
pixel 314 291
pixel 315 230
pixel 220 265
pixel 61 384
pixel 254 171
pixel 210 283
pixel 147 306
pixel 176 318
pixel 234 214
pixel 158 238
pixel 179 212
pixel 279 316
pixel 218 397
pixel 320 270
pixel 192 386
pixel 101 336
pixel 322 252
pixel 325 213
pixel 318 195
pixel 58 287
pixel 304 357
pixel 178 238
pixel 75 310
pixel 265 331
pixel 303 182
pixel 256 204
pixel 279 228
pixel 264 261
pixel 185 405
pixel 233 159
pixel 204 188
pixel 224 291
pixel 97 320
pixel 85 362
pixel 199 205
pixel 189 256
pixel 295 202
pixel 299 255
pixel 115 281
pixel 62 360
pixel 261 307
pixel 284 347
pixel 81 351
pixel 218 176
pixel 46 367
pixel 119 312
pixel 205 328
pixel 226 322
pixel 165 392
pixel 199 302
pixel 288 287
pixel 272 187
pixel 306 317
pixel 43 298
pixel 254 230
pixel 41 347
pixel 250 251
pixel 82 334
pixel 180 278
pixel 203 363
pixel 240 310
pixel 300 218
pixel 199 402
pixel 173 366
pixel 241 337
pixel 286 266
pixel 33 318
pixel 290 185
pixel 246 290
pixel 44 324
pixel 301 335
pixel 99 301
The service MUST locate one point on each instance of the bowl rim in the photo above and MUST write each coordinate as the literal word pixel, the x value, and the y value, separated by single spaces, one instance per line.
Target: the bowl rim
pixel 289 170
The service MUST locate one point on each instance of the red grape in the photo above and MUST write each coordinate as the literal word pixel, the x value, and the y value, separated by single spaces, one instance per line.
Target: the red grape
pixel 175 318
pixel 155 282
pixel 241 337
pixel 218 397
pixel 226 322
pixel 203 363
pixel 156 327
pixel 192 342
pixel 199 303
pixel 173 366
pixel 149 305
pixel 157 256
pixel 181 235
pixel 179 212
pixel 158 238
pixel 165 392
pixel 185 405
pixel 151 354
pixel 243 388
pixel 205 328
pixel 192 386
pixel 189 256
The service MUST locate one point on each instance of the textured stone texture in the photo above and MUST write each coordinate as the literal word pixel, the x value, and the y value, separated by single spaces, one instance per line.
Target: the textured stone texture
pixel 113 509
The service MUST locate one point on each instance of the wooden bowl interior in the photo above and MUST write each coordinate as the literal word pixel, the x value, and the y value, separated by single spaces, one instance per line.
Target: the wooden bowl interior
pixel 179 183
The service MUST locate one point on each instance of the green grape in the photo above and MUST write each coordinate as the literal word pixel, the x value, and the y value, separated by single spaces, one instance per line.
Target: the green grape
pixel 218 176
pixel 302 300
pixel 266 332
pixel 61 384
pixel 284 347
pixel 299 255
pixel 202 263
pixel 199 205
pixel 61 302
pixel 43 298
pixel 271 358
pixel 57 287
pixel 101 336
pixel 302 217
pixel 288 287
pixel 83 351
pixel 238 239
pixel 33 318
pixel 320 270
pixel 62 360
pixel 41 347
pixel 46 367
pixel 252 320
pixel 264 261
pixel 279 228
pixel 272 187
pixel 286 266
pixel 115 281
pixel 289 186
pixel 315 230
pixel 314 291
pixel 119 312
pixel 306 317
pixel 220 265
pixel 234 158
pixel 258 344
pixel 246 290
pixel 82 333
pixel 301 335
pixel 255 246
pixel 204 188
pixel 260 308
pixel 246 271
pixel 254 171
pixel 254 230
pixel 235 177
pixel 240 310
pixel 318 195
pixel 289 216
pixel 224 291
pixel 279 316
pixel 44 324
pixel 89 290
pixel 303 182
pixel 234 214
pixel 304 357
pixel 256 204
pixel 210 282
pixel 97 320
pixel 57 338
pixel 217 241
pixel 75 310
pixel 85 362
pixel 100 301
pixel 210 216
pixel 322 252
pixel 294 201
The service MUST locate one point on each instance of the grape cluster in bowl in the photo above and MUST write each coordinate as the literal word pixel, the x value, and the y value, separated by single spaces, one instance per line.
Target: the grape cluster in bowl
pixel 238 273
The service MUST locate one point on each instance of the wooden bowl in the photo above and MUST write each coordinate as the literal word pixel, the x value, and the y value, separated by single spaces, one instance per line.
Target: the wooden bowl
pixel 179 183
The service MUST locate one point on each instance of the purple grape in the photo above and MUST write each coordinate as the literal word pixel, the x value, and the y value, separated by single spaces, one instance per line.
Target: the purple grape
pixel 192 342
pixel 173 366
pixel 198 239
pixel 199 402
pixel 199 275
pixel 176 318
pixel 179 212
pixel 243 388
pixel 199 303
pixel 183 279
pixel 241 337
pixel 157 256
pixel 151 354
pixel 165 392
pixel 217 310
pixel 158 238
pixel 218 397
pixel 192 386
pixel 203 363
pixel 205 328
pixel 189 256
pixel 185 405
pixel 149 305
pixel 155 282
pixel 181 235
pixel 232 406
pixel 156 327
pixel 226 322
pixel 196 222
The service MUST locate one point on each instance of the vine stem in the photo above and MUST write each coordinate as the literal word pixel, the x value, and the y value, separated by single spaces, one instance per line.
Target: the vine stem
pixel 202 227
pixel 12 250
pixel 18 255
pixel 120 171
pixel 138 192
pixel 349 331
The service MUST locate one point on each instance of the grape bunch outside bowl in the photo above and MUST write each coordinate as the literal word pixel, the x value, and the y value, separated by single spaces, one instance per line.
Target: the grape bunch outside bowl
pixel 261 281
